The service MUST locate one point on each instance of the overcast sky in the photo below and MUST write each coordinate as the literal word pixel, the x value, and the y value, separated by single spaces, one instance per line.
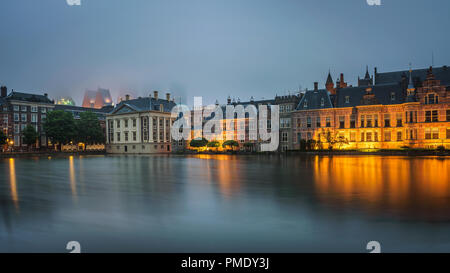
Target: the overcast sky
pixel 212 48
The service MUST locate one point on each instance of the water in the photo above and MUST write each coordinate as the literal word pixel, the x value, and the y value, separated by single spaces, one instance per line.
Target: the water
pixel 225 204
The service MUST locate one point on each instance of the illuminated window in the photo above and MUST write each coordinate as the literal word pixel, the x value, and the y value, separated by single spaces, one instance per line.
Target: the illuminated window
pixel 399 120
pixel 387 120
pixel 352 121
pixel 448 115
pixel 362 136
pixel 369 121
pixel 328 121
pixel 434 116
pixel 362 121
pixel 435 133
pixel 399 136
pixel 352 136
pixel 341 121
pixel 369 137
pixel 448 133
pixel 387 136
pixel 427 133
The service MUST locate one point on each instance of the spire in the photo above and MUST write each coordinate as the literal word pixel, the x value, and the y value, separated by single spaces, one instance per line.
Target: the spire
pixel 411 87
pixel 329 78
pixel 367 76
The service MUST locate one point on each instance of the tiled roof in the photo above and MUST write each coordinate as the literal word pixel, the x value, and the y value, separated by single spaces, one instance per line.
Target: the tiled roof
pixel 440 73
pixel 315 99
pixel 384 94
pixel 28 97
pixel 146 104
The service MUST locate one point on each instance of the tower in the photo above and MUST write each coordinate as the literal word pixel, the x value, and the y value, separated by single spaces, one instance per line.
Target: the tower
pixel 329 85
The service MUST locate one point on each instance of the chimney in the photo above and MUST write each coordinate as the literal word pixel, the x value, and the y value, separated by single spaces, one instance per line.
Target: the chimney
pixel 46 95
pixel 168 96
pixel 155 94
pixel 229 100
pixel 316 86
pixel 342 77
pixel 127 97
pixel 4 91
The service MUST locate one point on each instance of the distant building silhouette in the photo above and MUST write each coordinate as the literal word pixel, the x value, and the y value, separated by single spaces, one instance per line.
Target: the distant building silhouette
pixel 97 99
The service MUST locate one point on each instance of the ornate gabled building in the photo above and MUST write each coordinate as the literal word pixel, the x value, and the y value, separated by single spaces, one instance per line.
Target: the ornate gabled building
pixel 140 126
pixel 403 109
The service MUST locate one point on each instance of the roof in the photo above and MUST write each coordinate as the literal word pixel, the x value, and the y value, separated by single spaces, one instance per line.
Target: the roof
pixel 82 109
pixel 383 95
pixel 440 73
pixel 315 99
pixel 143 104
pixel 28 97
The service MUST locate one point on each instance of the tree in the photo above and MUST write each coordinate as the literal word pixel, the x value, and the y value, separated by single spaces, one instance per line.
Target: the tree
pixel 3 138
pixel 198 142
pixel 230 143
pixel 213 144
pixel 59 126
pixel 30 135
pixel 88 129
pixel 335 138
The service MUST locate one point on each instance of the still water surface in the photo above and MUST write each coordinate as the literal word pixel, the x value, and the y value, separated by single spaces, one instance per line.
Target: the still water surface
pixel 225 203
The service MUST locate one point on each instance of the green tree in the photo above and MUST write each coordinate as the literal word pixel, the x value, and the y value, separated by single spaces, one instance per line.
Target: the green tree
pixel 60 127
pixel 213 144
pixel 88 129
pixel 3 138
pixel 30 135
pixel 198 142
pixel 231 144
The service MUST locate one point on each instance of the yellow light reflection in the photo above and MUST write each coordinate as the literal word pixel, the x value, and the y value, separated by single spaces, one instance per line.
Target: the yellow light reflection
pixel 73 182
pixel 13 183
pixel 402 184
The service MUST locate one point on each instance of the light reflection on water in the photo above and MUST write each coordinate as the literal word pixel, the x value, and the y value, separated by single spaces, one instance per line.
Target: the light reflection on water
pixel 221 203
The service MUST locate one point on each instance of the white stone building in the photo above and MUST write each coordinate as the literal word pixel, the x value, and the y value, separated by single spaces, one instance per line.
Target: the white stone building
pixel 140 126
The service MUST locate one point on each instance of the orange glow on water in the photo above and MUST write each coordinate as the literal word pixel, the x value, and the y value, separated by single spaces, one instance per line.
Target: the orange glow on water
pixel 375 182
pixel 73 182
pixel 13 183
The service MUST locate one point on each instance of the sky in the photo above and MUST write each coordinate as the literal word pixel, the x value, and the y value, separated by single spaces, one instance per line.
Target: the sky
pixel 212 48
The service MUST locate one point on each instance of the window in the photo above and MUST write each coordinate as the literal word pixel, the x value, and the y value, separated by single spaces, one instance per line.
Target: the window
pixel 341 121
pixel 160 122
pixel 435 133
pixel 134 122
pixel 322 102
pixel 375 136
pixel 347 99
pixel 352 121
pixel 118 126
pixel 43 110
pixel 369 136
pixel 126 136
pixel 16 117
pixel 134 136
pixel 399 120
pixel 16 129
pixel 434 116
pixel 448 115
pixel 375 120
pixel 448 133
pixel 369 121
pixel 118 136
pixel 399 136
pixel 362 136
pixel 23 117
pixel 428 133
pixel 427 116
pixel 34 109
pixel 126 123
pixel 362 121
pixel 352 136
pixel 318 124
pixel 387 120
pixel 392 96
pixel 305 104
pixel 284 137
pixel 387 136
pixel 43 116
pixel 24 108
pixel 34 118
pixel 16 107
pixel 431 99
pixel 308 122
pixel 328 120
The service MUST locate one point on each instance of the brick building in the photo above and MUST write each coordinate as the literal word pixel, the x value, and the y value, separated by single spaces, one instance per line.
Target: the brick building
pixel 387 111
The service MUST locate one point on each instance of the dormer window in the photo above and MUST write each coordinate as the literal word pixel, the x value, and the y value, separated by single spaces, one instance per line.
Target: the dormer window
pixel 392 96
pixel 305 104
pixel 322 102
pixel 347 99
pixel 431 99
